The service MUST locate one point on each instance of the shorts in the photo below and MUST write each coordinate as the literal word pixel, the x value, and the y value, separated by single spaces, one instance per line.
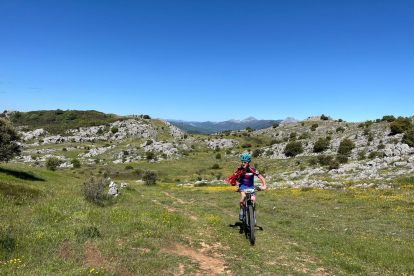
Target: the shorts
pixel 243 187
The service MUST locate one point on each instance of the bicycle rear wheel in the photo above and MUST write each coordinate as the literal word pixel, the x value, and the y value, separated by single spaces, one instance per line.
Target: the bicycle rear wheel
pixel 251 224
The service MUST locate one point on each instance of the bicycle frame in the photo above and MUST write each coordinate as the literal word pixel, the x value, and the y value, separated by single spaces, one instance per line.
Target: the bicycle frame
pixel 249 214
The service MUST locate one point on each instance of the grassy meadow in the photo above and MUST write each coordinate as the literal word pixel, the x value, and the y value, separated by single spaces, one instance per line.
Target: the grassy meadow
pixel 48 228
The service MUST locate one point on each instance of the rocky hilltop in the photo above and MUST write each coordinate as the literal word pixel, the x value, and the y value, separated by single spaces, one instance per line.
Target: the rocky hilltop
pixel 379 154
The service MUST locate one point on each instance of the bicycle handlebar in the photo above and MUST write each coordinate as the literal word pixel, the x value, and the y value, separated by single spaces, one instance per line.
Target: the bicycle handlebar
pixel 256 188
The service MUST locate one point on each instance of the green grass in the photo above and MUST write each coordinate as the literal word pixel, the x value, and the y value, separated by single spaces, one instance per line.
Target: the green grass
pixel 47 227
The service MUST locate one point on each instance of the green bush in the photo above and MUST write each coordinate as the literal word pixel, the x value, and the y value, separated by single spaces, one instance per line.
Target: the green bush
pixel 314 126
pixel 150 177
pixel 246 145
pixel 218 156
pixel 276 142
pixel 320 145
pixel 340 129
pixel 94 190
pixel 342 159
pixel 401 125
pixel 381 146
pixel 361 155
pixel 215 166
pixel 150 155
pixel 8 141
pixel 345 147
pixel 257 152
pixel 375 154
pixel 325 160
pixel 275 125
pixel 313 161
pixel 334 165
pixel 146 117
pixel 114 129
pixel 324 118
pixel 128 167
pixel 388 118
pixel 408 138
pixel 304 135
pixel 293 149
pixel 76 163
pixel 138 172
pixel 52 163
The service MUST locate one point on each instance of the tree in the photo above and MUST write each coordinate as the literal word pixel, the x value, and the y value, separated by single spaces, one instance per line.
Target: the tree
pixel 275 125
pixel 345 147
pixel 8 141
pixel 293 149
pixel 321 145
pixel 401 125
pixel 408 138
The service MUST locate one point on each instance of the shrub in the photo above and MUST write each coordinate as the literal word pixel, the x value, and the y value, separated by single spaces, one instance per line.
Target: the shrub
pixel 8 141
pixel 114 129
pixel 293 149
pixel 215 166
pixel 257 153
pixel 340 129
pixel 382 146
pixel 340 120
pixel 285 139
pixel 246 145
pixel 401 125
pixel 342 159
pixel 150 177
pixel 149 142
pixel 292 135
pixel 59 111
pixel 94 190
pixel 374 154
pixel 313 161
pixel 52 163
pixel 272 142
pixel 128 167
pixel 408 138
pixel 314 126
pixel 164 155
pixel 249 129
pixel 304 135
pixel 334 165
pixel 275 125
pixel 218 156
pixel 146 117
pixel 324 118
pixel 321 145
pixel 150 155
pixel 76 163
pixel 368 123
pixel 388 118
pixel 64 149
pixel 361 155
pixel 325 160
pixel 137 172
pixel 345 147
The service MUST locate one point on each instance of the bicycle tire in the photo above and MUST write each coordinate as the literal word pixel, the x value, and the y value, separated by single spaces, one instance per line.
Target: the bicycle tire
pixel 251 222
pixel 245 226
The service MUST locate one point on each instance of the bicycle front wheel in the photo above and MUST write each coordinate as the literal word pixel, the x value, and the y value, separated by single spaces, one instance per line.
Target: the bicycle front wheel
pixel 251 223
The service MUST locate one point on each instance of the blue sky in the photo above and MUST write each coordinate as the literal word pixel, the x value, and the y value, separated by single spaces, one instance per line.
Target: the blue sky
pixel 209 60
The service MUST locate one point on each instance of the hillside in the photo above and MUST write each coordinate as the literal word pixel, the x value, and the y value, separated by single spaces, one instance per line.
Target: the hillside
pixel 316 219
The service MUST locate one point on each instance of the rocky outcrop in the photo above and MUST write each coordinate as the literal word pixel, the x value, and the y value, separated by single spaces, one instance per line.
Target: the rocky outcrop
pixel 221 143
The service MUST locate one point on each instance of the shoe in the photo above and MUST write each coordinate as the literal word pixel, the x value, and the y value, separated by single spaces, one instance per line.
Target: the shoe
pixel 241 215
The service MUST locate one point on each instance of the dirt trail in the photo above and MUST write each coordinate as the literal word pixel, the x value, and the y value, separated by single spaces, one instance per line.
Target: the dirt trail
pixel 209 265
pixel 93 258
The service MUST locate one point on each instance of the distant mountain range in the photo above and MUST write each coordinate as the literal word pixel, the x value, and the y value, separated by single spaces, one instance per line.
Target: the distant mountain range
pixel 213 127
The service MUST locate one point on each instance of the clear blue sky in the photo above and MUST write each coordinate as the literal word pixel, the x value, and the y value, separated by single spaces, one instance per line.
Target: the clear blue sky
pixel 209 60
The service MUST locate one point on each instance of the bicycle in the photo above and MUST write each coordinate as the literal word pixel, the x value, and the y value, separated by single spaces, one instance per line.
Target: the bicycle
pixel 249 214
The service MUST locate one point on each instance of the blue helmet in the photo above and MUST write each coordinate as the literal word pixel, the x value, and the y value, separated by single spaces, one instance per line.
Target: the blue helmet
pixel 246 158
